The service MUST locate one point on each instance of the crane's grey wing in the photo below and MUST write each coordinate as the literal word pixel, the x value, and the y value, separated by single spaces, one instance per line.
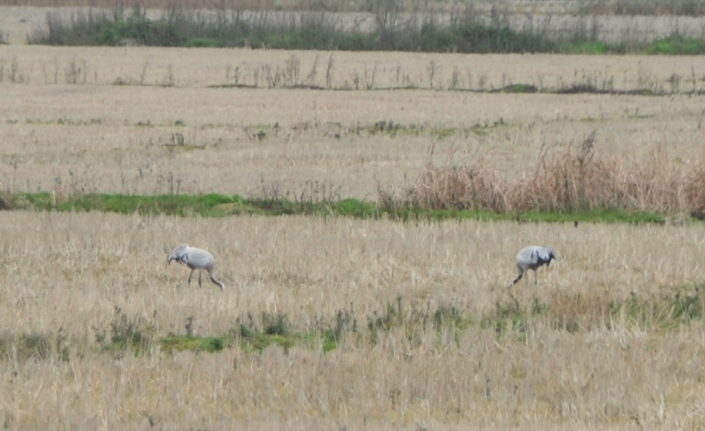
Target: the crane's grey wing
pixel 533 256
pixel 526 257
pixel 200 258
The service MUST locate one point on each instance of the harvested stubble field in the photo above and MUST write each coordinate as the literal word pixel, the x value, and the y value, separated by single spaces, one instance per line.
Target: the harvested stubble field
pixel 426 335
pixel 65 274
pixel 194 136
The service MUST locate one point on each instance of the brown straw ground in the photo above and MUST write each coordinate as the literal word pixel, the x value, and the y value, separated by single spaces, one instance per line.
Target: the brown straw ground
pixel 575 365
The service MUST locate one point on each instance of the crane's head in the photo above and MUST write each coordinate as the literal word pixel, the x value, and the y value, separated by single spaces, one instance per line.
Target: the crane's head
pixel 177 253
pixel 550 255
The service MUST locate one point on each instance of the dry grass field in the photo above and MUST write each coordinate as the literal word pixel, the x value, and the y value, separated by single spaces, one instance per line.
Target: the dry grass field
pixel 197 137
pixel 67 272
pixel 137 120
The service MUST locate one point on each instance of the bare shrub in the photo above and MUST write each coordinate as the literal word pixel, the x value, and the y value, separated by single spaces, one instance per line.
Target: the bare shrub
pixel 575 180
pixel 465 187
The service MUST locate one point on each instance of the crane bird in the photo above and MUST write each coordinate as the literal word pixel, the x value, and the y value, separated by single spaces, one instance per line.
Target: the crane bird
pixel 195 258
pixel 532 257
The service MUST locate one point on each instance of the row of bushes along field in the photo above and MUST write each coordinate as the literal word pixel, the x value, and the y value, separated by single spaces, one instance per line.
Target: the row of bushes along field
pixel 464 31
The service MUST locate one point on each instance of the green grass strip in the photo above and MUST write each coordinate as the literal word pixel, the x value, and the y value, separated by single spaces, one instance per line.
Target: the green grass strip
pixel 216 205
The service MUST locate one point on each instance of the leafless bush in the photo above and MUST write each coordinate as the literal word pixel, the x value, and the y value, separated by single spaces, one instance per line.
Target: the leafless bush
pixel 568 182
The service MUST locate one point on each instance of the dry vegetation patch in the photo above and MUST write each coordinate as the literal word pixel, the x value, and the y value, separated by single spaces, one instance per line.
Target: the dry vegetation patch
pixel 572 181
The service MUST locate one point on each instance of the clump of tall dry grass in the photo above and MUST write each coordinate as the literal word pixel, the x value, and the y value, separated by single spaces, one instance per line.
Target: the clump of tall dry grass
pixel 572 181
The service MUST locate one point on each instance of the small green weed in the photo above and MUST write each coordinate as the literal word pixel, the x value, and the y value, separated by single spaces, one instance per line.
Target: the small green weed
pixel 177 343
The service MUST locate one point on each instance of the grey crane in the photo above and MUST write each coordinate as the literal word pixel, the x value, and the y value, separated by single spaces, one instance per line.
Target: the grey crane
pixel 196 259
pixel 532 257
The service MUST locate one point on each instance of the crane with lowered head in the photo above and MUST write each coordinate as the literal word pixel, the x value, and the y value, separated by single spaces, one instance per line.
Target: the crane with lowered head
pixel 196 259
pixel 532 257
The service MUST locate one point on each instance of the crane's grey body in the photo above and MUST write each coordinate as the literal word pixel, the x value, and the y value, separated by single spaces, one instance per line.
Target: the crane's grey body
pixel 532 257
pixel 196 259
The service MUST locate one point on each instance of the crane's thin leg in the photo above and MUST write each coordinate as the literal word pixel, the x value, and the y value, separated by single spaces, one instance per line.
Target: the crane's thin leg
pixel 516 280
pixel 214 280
pixel 189 277
pixel 200 271
pixel 536 277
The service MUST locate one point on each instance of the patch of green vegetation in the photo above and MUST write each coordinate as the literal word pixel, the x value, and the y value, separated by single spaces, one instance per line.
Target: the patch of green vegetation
pixel 271 329
pixel 177 343
pixel 354 208
pixel 216 205
pixel 127 204
pixel 443 132
pixel 329 341
pixel 677 45
pixel 138 29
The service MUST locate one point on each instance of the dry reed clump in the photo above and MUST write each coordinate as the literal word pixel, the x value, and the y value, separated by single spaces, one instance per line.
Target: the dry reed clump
pixel 569 182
